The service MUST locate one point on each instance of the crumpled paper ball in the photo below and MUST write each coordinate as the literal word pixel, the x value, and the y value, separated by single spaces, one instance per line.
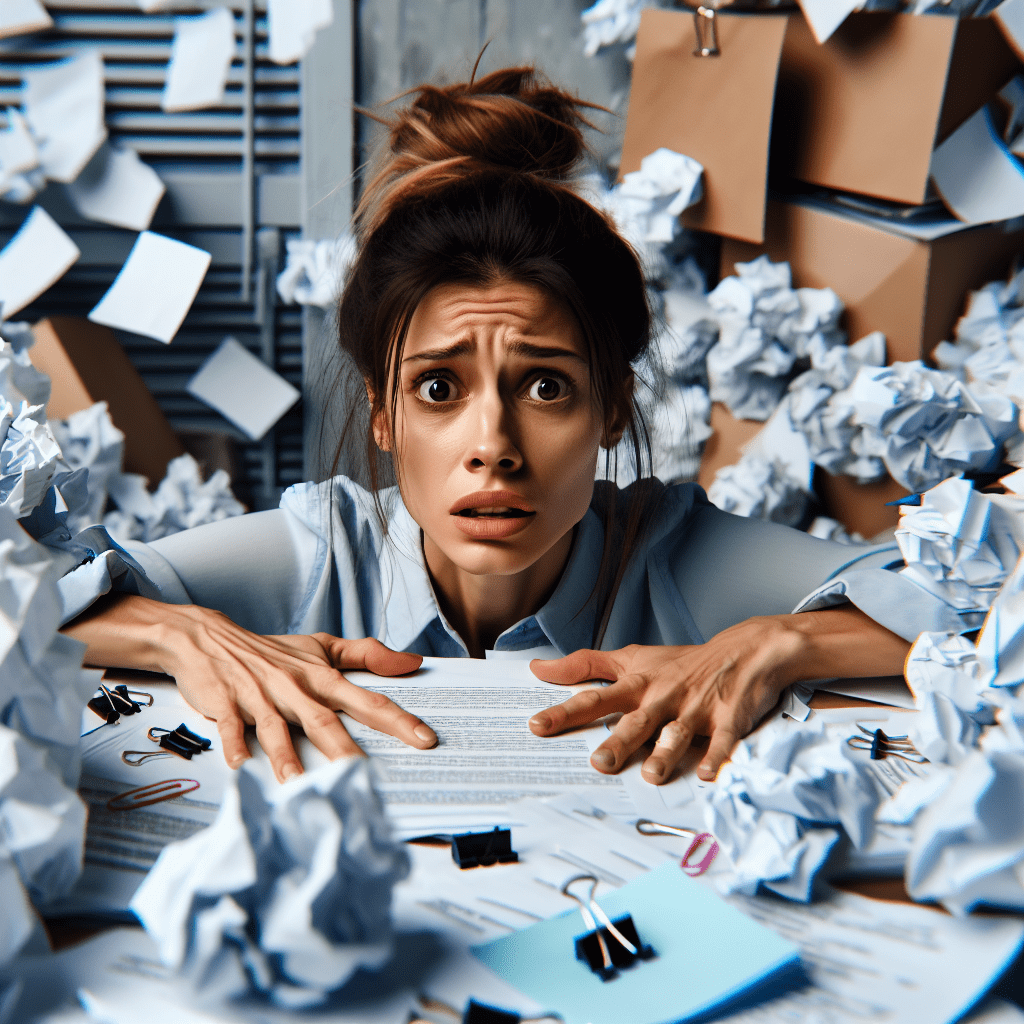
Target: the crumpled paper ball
pixel 765 328
pixel 314 272
pixel 89 440
pixel 778 804
pixel 679 425
pixel 758 488
pixel 287 892
pixel 183 500
pixel 961 545
pixel 610 21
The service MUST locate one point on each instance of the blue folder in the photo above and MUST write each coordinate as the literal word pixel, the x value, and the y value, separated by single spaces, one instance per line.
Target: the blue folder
pixel 710 957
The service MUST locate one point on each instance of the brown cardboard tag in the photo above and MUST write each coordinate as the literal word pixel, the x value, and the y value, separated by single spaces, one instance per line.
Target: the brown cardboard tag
pixel 717 110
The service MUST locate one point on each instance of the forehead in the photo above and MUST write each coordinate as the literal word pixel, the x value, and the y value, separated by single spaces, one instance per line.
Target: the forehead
pixel 510 309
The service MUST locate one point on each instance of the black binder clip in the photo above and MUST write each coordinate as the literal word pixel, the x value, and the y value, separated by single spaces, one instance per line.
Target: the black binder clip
pixel 113 702
pixel 482 849
pixel 181 741
pixel 608 948
pixel 476 1013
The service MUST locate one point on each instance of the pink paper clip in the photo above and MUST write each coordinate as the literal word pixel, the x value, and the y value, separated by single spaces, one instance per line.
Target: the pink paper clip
pixel 693 870
pixel 152 794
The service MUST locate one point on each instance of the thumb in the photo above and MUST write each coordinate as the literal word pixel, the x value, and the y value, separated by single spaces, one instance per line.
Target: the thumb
pixel 370 655
pixel 578 667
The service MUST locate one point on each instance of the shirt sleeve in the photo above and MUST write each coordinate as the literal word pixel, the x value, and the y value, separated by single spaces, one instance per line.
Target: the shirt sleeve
pixel 254 568
pixel 729 568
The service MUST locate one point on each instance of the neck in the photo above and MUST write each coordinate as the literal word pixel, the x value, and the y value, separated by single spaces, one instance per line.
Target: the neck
pixel 481 608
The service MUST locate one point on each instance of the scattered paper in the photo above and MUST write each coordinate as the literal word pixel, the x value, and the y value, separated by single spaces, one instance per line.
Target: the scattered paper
pixel 293 25
pixel 976 175
pixel 35 258
pixel 155 288
pixel 243 389
pixel 116 187
pixel 20 16
pixel 64 107
pixel 201 58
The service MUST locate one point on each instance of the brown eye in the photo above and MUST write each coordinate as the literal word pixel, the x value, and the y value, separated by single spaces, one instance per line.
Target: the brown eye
pixel 435 390
pixel 547 389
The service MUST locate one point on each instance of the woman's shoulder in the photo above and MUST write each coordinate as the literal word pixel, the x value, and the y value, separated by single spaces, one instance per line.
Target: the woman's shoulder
pixel 662 506
pixel 340 499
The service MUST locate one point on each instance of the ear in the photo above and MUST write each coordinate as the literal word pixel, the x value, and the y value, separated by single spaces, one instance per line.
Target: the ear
pixel 618 415
pixel 378 422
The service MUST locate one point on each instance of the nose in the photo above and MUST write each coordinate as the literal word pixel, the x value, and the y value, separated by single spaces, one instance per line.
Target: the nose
pixel 492 445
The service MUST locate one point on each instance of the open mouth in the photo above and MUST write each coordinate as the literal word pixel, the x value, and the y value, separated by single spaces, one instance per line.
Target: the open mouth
pixel 495 512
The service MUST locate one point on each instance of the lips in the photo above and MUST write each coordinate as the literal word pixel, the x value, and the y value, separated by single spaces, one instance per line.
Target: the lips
pixel 492 515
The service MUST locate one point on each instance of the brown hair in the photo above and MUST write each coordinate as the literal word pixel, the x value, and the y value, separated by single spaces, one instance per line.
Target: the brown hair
pixel 475 186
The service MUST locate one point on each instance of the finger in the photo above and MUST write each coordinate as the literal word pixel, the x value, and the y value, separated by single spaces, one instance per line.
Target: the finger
pixel 381 713
pixel 369 655
pixel 231 729
pixel 326 733
pixel 577 667
pixel 723 739
pixel 585 707
pixel 276 741
pixel 673 741
pixel 630 733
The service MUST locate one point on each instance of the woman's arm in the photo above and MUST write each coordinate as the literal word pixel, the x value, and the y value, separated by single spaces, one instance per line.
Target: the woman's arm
pixel 721 689
pixel 235 677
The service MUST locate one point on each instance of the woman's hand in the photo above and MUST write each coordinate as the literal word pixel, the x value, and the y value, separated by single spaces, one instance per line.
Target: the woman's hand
pixel 236 678
pixel 720 689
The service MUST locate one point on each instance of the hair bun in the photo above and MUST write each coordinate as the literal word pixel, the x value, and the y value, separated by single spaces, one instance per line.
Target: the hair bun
pixel 510 120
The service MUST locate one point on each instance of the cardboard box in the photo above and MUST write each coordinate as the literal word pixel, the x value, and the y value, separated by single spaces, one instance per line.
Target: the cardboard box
pixel 911 290
pixel 725 446
pixel 86 364
pixel 861 508
pixel 864 111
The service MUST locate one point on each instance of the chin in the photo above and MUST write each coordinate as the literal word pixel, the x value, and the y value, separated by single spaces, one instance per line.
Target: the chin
pixel 488 559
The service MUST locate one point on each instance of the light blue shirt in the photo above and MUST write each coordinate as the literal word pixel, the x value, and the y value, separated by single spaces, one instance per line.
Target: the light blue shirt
pixel 322 562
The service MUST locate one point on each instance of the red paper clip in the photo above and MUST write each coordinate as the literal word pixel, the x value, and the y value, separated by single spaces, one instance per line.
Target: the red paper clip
pixel 154 793
pixel 693 870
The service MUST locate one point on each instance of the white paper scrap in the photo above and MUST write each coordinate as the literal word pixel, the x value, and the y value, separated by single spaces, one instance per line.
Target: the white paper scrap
pixel 64 106
pixel 243 389
pixel 20 16
pixel 155 288
pixel 37 256
pixel 116 187
pixel 293 25
pixel 18 150
pixel 976 175
pixel 200 60
pixel 825 16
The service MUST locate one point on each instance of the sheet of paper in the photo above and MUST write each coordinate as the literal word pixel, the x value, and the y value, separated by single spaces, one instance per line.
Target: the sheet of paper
pixel 707 953
pixel 121 846
pixel 18 151
pixel 880 961
pixel 37 256
pixel 20 16
pixel 486 757
pixel 293 25
pixel 243 389
pixel 200 61
pixel 64 106
pixel 155 288
pixel 117 188
pixel 978 178
pixel 825 16
pixel 890 690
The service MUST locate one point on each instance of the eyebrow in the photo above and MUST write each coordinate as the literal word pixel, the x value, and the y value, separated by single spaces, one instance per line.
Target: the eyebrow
pixel 519 348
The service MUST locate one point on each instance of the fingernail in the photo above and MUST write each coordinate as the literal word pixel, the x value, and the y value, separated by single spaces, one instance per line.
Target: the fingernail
pixel 425 734
pixel 602 759
pixel 289 771
pixel 706 769
pixel 237 761
pixel 541 721
pixel 655 770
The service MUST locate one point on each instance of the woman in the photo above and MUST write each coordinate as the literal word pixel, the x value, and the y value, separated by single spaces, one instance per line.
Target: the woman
pixel 495 317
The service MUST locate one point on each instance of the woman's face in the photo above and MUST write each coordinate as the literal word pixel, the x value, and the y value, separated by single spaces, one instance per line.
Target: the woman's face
pixel 497 431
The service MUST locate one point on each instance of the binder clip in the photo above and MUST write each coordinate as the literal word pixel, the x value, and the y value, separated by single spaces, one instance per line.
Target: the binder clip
pixel 880 746
pixel 482 849
pixel 116 701
pixel 476 1013
pixel 614 945
pixel 181 741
